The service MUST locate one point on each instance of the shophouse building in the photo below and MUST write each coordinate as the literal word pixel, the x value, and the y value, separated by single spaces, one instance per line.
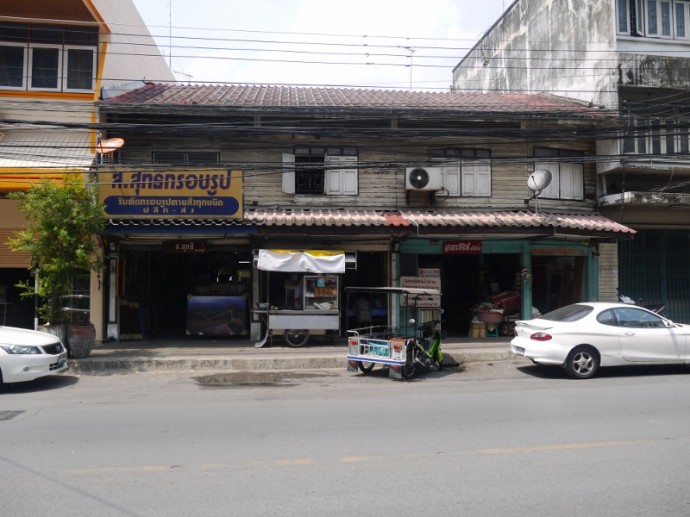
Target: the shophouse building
pixel 413 188
pixel 55 58
pixel 625 55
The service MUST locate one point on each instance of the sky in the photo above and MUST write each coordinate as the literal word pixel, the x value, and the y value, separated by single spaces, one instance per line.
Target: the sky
pixel 400 44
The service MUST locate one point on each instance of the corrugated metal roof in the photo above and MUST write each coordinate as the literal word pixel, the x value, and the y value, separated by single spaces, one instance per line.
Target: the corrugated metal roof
pixel 395 220
pixel 36 148
pixel 274 97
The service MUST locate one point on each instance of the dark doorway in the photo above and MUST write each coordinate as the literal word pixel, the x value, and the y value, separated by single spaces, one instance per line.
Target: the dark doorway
pixel 157 288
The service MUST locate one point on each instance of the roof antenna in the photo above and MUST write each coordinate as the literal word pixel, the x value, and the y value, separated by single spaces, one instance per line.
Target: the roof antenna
pixel 410 57
pixel 188 76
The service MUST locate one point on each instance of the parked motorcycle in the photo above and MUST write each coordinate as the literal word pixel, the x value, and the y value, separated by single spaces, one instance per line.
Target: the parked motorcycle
pixel 425 350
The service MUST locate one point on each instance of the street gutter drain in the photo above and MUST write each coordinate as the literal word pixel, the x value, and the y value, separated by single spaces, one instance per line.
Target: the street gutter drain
pixel 9 415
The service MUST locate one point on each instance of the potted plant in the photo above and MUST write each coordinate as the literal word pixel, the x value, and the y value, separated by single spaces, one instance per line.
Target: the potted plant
pixel 64 220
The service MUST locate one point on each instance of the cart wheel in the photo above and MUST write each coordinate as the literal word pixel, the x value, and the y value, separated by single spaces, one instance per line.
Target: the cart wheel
pixel 366 367
pixel 408 370
pixel 297 338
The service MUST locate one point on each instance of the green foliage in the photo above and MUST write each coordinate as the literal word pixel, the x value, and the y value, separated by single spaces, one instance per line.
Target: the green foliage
pixel 63 222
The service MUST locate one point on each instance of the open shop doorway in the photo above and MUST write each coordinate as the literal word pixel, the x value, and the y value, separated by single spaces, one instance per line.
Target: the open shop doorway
pixel 468 281
pixel 160 291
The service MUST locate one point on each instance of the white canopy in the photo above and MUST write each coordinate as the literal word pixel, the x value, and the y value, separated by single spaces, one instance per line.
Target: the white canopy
pixel 307 261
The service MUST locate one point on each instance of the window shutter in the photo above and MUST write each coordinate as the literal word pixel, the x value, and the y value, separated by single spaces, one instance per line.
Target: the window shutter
pixel 572 181
pixel 469 180
pixel 288 173
pixel 341 175
pixel 450 172
pixel 483 179
pixel 476 178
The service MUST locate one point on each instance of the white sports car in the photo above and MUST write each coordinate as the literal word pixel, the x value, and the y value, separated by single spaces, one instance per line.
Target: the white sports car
pixel 26 355
pixel 584 336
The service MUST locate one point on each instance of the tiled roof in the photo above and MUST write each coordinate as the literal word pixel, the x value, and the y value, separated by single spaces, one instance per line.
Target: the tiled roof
pixel 286 97
pixel 429 221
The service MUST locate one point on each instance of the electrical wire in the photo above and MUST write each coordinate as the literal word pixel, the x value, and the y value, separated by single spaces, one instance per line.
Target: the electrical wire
pixel 405 50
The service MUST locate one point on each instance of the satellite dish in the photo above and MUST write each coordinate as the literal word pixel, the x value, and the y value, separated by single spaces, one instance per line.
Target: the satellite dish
pixel 539 180
pixel 418 177
pixel 109 146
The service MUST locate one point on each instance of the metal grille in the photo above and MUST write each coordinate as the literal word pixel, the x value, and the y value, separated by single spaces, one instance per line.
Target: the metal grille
pixel 654 267
pixel 55 349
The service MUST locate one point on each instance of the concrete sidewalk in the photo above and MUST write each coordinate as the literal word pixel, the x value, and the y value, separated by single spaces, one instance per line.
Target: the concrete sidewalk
pixel 217 354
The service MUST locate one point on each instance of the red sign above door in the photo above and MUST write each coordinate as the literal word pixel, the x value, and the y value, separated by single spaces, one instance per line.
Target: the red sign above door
pixel 462 247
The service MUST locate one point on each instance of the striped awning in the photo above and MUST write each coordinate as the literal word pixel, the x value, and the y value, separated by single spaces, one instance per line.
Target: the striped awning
pixel 28 154
pixel 422 222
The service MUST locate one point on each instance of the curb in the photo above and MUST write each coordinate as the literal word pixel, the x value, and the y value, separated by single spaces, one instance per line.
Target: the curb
pixel 93 366
pixel 124 365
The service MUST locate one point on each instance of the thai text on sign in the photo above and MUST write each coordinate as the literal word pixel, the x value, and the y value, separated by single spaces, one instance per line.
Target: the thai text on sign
pixel 169 194
pixel 422 282
pixel 462 247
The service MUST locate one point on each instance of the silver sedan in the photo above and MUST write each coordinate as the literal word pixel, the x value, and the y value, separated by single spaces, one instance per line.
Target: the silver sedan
pixel 585 336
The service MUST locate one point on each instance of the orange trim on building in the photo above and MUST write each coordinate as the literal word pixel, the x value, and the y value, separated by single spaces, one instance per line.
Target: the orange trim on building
pixel 35 94
pixel 92 8
pixel 15 181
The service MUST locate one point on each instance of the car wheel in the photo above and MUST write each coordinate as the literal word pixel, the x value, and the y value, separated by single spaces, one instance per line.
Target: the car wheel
pixel 366 367
pixel 582 363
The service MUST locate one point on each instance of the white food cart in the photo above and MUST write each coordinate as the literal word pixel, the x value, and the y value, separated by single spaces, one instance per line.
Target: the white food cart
pixel 311 302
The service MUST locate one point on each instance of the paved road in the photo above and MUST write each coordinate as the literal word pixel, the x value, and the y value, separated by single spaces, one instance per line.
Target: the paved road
pixel 495 439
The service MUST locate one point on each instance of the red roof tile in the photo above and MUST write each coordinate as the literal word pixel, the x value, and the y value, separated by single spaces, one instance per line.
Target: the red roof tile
pixel 284 97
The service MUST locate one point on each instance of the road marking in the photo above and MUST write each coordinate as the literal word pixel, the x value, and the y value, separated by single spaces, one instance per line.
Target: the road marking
pixel 298 462
pixel 201 466
pixel 563 446
pixel 354 459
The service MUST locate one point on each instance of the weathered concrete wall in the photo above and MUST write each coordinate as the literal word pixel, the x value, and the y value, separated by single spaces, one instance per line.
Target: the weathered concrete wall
pixel 654 71
pixel 558 46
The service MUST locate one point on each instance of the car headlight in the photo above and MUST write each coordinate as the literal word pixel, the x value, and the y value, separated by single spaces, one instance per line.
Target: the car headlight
pixel 21 349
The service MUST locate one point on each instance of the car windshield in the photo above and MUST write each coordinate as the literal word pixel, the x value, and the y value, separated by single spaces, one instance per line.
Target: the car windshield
pixel 568 313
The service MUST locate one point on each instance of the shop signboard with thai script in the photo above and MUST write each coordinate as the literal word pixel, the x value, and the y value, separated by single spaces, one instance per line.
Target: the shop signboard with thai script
pixel 185 247
pixel 422 282
pixel 211 193
pixel 462 247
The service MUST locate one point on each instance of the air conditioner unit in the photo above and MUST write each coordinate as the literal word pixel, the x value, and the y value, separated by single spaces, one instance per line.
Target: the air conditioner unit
pixel 423 178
